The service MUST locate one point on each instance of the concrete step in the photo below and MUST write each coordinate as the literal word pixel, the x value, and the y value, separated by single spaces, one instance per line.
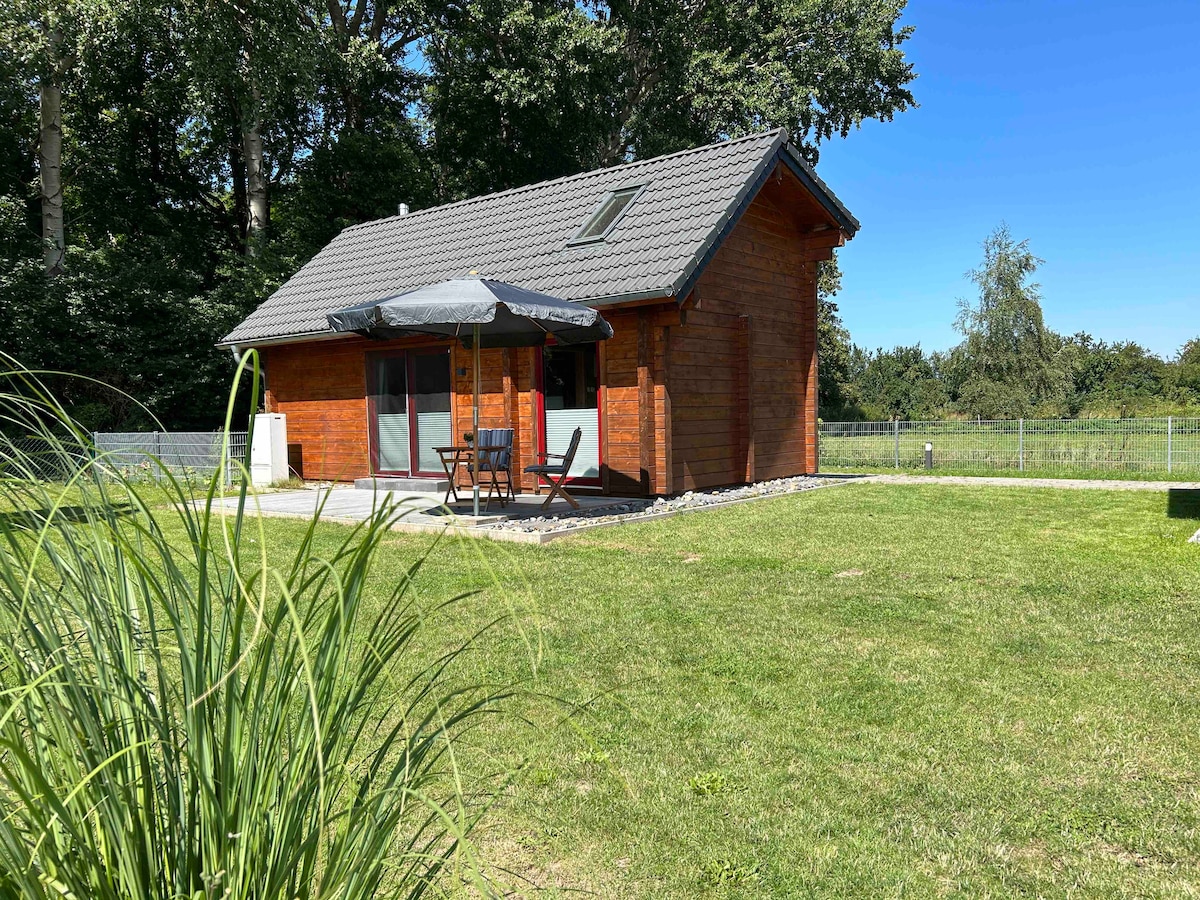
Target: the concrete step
pixel 407 485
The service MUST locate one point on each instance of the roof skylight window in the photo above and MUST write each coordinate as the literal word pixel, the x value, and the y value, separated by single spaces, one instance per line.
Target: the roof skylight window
pixel 606 217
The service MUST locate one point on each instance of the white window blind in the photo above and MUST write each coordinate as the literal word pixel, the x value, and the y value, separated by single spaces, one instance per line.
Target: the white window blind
pixel 561 424
pixel 393 442
pixel 433 430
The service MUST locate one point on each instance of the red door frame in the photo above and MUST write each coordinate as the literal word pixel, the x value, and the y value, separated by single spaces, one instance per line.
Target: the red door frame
pixel 410 407
pixel 540 385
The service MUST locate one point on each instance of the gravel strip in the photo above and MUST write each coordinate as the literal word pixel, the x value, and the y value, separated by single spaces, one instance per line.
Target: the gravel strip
pixel 634 509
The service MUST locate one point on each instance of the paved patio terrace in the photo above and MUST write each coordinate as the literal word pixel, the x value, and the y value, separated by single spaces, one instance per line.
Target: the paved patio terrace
pixel 419 511
pixel 523 520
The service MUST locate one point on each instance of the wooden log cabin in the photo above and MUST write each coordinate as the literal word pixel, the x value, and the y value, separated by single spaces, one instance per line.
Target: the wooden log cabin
pixel 704 262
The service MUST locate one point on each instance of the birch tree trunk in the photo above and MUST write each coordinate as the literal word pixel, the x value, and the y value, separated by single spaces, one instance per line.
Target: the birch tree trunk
pixel 50 162
pixel 258 208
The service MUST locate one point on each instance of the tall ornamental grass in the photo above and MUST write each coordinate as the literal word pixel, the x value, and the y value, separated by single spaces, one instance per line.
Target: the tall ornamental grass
pixel 185 714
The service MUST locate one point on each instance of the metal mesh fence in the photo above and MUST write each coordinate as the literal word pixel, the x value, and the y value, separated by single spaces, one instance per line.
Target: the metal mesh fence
pixel 1169 446
pixel 39 458
pixel 182 453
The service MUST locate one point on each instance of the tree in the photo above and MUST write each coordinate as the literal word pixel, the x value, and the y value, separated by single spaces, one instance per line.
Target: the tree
pixel 687 72
pixel 1118 374
pixel 521 90
pixel 41 37
pixel 901 383
pixel 1185 372
pixel 252 69
pixel 517 92
pixel 1013 363
pixel 833 348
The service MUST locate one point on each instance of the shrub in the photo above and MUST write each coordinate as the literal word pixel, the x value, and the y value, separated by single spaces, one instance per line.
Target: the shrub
pixel 182 717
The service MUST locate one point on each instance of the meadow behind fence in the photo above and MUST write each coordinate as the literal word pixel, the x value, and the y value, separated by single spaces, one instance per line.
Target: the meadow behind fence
pixel 1168 446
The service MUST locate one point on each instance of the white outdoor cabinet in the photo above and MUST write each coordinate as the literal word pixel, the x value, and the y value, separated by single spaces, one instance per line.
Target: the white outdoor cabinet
pixel 269 452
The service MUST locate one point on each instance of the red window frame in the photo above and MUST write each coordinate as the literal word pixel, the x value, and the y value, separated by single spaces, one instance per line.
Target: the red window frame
pixel 539 384
pixel 410 407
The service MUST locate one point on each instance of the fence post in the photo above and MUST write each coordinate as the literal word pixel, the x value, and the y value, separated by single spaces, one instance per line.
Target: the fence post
pixel 1020 445
pixel 896 431
pixel 1169 423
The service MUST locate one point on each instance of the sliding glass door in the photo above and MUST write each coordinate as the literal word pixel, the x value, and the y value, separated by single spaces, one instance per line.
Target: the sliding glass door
pixel 570 385
pixel 431 407
pixel 391 444
pixel 409 411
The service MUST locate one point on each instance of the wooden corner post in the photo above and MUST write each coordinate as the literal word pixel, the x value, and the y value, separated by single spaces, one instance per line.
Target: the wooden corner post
pixel 744 421
pixel 645 394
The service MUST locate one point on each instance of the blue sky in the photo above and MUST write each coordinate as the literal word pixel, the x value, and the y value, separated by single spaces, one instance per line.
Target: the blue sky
pixel 1078 124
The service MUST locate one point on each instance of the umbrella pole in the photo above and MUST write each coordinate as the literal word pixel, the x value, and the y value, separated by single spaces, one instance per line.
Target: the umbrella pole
pixel 475 420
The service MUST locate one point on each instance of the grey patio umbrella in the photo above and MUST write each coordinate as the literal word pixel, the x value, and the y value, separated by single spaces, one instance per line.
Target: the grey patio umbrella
pixel 479 312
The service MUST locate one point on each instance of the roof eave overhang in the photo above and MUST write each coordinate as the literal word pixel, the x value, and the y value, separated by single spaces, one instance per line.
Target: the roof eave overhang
pixel 304 336
pixel 664 293
pixel 784 154
pixel 819 190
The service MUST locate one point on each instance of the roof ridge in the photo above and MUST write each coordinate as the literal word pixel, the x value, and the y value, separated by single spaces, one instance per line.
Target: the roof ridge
pixel 564 178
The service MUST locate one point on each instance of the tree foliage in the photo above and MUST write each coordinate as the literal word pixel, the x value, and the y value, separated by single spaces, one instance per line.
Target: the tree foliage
pixel 1013 362
pixel 1009 363
pixel 211 148
pixel 1185 377
pixel 901 383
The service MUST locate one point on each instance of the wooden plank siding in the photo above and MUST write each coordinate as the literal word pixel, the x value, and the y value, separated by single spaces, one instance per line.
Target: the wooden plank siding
pixel 623 380
pixel 743 368
pixel 321 386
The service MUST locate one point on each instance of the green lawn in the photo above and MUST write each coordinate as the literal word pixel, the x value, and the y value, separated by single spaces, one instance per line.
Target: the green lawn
pixel 863 691
pixel 1185 476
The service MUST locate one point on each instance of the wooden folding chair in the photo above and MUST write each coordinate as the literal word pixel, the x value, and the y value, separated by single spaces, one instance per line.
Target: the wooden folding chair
pixel 547 472
pixel 496 463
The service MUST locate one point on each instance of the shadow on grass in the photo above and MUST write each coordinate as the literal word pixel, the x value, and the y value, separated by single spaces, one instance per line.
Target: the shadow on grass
pixel 1183 503
pixel 37 518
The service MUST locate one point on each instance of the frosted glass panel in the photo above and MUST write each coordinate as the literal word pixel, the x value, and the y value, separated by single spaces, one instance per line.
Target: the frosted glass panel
pixel 433 430
pixel 393 442
pixel 431 397
pixel 397 396
pixel 561 424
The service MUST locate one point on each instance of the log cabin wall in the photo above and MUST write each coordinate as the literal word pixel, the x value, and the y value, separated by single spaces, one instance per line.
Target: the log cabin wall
pixel 743 369
pixel 322 388
pixel 620 473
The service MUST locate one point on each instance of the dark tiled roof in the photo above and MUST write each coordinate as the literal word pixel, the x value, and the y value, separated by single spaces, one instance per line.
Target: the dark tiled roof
pixel 521 236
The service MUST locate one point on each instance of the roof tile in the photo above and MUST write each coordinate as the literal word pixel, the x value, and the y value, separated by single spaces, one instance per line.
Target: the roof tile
pixel 521 236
